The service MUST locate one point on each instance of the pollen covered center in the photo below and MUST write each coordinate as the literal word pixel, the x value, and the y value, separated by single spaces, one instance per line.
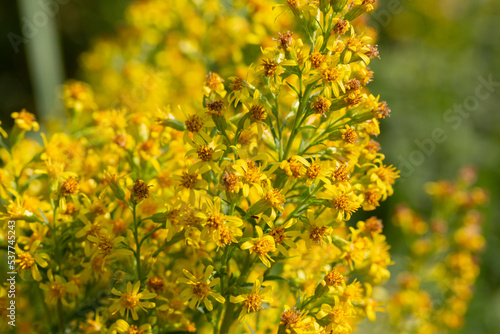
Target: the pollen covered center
pixel 313 171
pixel 215 220
pixel 263 246
pixel 344 203
pixel 57 290
pixel 201 290
pixel 317 234
pixel 253 302
pixel 26 261
pixel 129 300
pixel 205 153
pixel 188 180
pixel 333 278
pixel 278 233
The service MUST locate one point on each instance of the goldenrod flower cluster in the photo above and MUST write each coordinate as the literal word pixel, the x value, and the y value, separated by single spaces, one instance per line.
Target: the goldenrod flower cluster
pixel 154 213
pixel 443 265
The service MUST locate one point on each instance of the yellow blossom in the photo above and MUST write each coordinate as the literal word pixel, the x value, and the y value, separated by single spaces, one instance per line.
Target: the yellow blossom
pixel 131 300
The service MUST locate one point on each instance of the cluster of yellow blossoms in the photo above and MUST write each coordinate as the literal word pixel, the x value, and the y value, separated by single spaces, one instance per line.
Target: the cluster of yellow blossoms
pixel 443 264
pixel 156 214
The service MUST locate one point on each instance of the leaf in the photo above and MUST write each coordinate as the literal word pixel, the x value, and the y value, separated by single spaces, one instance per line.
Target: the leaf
pixel 45 220
pixel 275 278
pixel 206 261
pixel 2 144
pixel 307 127
pixel 174 124
pixel 297 304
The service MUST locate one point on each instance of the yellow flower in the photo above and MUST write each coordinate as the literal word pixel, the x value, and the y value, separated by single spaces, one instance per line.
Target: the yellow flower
pixel 262 245
pixel 353 292
pixel 321 106
pixel 384 176
pixel 223 229
pixel 131 300
pixel 2 131
pixel 214 84
pixel 251 174
pixel 357 45
pixel 78 96
pixel 252 302
pixel 358 249
pixel 276 200
pixel 189 182
pixel 69 186
pixel 316 171
pixel 30 261
pixel 216 108
pixel 349 135
pixel 200 288
pixel 371 198
pixel 295 322
pixel 337 317
pixel 105 246
pixel 344 200
pixel 335 281
pixel 294 167
pixel 140 191
pixel 58 288
pixel 315 230
pixel 206 154
pixel 123 327
pixel 91 325
pixel 25 120
pixel 195 123
pixel 281 236
pixel 379 259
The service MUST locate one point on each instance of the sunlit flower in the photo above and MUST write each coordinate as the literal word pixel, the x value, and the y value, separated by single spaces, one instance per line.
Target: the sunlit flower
pixel 262 245
pixel 200 288
pixel 253 301
pixel 131 300
pixel 25 120
pixel 30 260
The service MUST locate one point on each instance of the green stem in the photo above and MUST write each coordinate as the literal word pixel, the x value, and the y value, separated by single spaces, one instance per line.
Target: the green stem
pixel 150 233
pixel 321 136
pixel 300 206
pixel 49 315
pixel 228 319
pixel 60 316
pixel 54 236
pixel 304 100
pixel 138 244
pixel 217 322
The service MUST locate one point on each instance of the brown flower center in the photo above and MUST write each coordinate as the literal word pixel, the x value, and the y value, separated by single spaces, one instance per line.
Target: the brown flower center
pixel 333 278
pixel 205 153
pixel 188 180
pixel 194 123
pixel 278 233
pixel 69 186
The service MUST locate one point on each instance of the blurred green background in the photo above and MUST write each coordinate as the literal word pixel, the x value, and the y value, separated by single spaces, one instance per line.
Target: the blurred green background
pixel 433 53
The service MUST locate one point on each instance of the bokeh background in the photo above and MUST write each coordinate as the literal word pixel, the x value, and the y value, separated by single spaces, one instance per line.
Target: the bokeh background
pixel 432 56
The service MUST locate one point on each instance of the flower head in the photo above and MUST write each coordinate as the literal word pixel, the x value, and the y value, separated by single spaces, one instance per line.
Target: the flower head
pixel 131 300
pixel 200 288
pixel 30 260
pixel 253 301
pixel 262 245
pixel 25 120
